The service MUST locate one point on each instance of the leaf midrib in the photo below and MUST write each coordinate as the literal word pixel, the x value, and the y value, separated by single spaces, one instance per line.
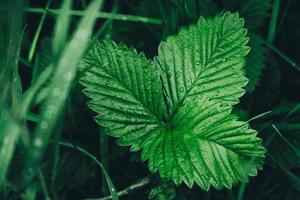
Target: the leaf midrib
pixel 129 91
pixel 194 83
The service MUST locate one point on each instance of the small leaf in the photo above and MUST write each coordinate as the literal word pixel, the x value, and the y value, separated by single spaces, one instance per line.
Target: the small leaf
pixel 125 91
pixel 205 144
pixel 206 59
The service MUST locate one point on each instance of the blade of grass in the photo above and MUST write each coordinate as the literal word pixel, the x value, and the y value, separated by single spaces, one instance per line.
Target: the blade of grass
pixel 43 185
pixel 294 110
pixel 273 21
pixel 13 53
pixel 62 27
pixel 259 116
pixel 31 92
pixel 109 182
pixel 10 131
pixel 286 141
pixel 282 55
pixel 103 144
pixel 108 23
pixel 37 34
pixel 60 87
pixel 105 15
pixel 292 177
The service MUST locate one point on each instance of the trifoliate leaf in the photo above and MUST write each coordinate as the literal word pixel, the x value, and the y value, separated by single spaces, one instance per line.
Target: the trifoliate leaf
pixel 205 144
pixel 206 59
pixel 125 90
pixel 183 123
pixel 255 61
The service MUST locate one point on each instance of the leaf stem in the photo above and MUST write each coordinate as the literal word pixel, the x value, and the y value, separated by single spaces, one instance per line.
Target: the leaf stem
pixel 127 190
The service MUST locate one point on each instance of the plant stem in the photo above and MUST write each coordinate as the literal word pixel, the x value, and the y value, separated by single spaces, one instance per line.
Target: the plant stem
pixel 127 190
pixel 43 185
pixel 103 143
pixel 106 15
pixel 108 179
pixel 273 22
pixel 37 33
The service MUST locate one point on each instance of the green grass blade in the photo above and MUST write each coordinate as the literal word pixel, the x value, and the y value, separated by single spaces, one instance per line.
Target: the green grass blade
pixel 286 141
pixel 109 182
pixel 9 134
pixel 60 87
pixel 37 34
pixel 259 116
pixel 104 15
pixel 31 92
pixel 15 21
pixel 62 27
pixel 282 55
pixel 9 127
pixel 273 22
pixel 295 180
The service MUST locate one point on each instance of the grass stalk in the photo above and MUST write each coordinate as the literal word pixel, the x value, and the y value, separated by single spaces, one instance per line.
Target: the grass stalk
pixel 60 87
pixel 37 34
pixel 43 185
pixel 282 55
pixel 109 182
pixel 104 15
pixel 103 145
pixel 273 21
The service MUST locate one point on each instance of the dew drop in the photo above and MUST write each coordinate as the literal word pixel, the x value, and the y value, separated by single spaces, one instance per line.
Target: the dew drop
pixel 38 142
pixel 170 74
pixel 198 63
pixel 181 89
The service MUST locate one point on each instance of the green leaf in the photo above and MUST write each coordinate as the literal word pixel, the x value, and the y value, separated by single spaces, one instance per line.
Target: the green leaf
pixel 125 91
pixel 205 59
pixel 255 12
pixel 255 61
pixel 205 144
pixel 177 108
